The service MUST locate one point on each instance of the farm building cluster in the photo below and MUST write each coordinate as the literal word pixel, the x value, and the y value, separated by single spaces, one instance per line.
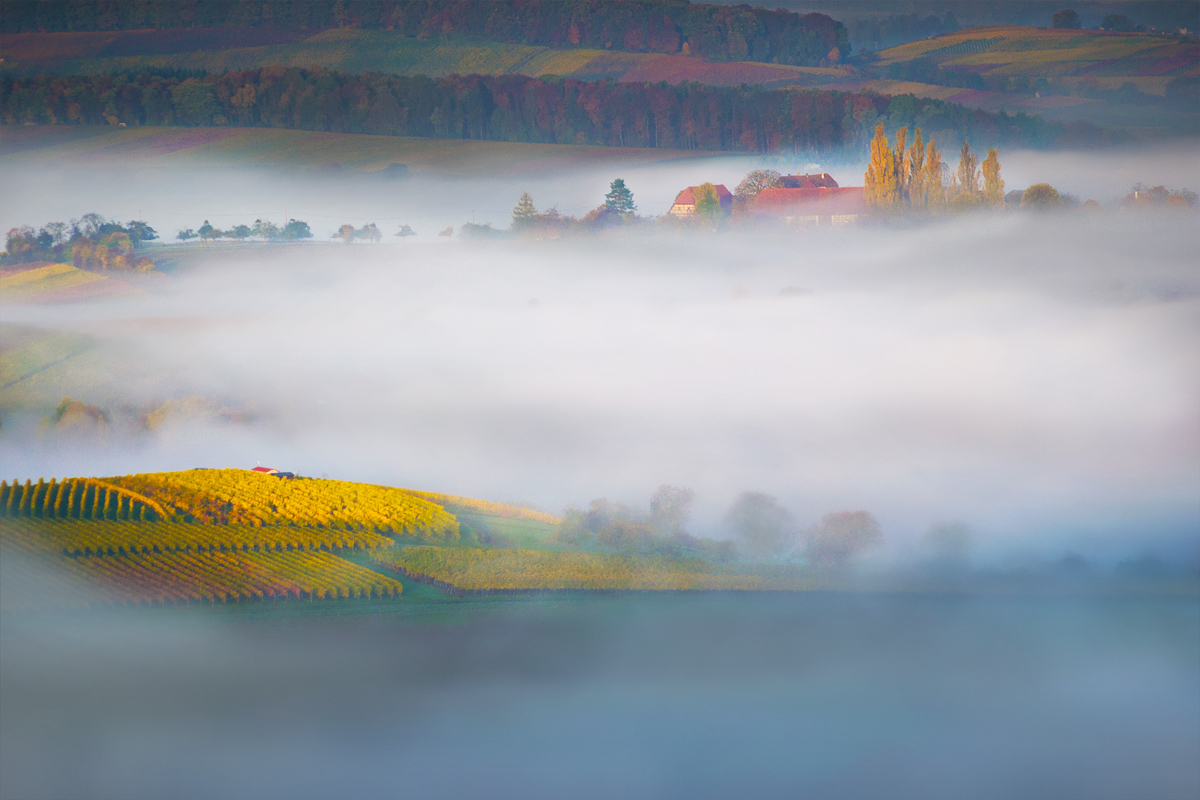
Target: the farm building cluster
pixel 803 200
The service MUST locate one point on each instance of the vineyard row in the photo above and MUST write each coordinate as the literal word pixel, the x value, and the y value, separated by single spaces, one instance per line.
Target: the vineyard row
pixel 180 578
pixel 88 538
pixel 75 498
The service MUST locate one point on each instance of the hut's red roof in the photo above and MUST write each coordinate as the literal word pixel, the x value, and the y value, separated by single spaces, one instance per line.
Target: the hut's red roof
pixel 687 198
pixel 818 201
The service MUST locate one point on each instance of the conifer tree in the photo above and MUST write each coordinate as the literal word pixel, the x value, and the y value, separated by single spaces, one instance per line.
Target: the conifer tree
pixel 524 213
pixel 935 192
pixel 968 170
pixel 993 186
pixel 879 184
pixel 916 171
pixel 619 198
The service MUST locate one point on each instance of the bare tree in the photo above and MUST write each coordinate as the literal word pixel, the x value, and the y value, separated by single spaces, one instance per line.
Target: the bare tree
pixel 755 182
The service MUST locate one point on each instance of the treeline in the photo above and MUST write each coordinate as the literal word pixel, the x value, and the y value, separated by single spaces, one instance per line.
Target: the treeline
pixel 717 32
pixel 514 108
pixel 90 242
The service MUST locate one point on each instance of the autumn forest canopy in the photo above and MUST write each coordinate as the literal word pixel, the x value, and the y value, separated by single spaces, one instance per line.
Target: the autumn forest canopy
pixel 718 33
pixel 515 108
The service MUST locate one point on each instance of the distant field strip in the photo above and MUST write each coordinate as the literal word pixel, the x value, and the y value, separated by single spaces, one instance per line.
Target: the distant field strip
pixel 86 538
pixel 31 357
pixel 485 507
pixel 1013 50
pixel 477 570
pixel 241 496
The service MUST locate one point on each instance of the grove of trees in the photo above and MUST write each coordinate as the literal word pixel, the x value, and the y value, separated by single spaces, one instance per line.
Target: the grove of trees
pixel 914 176
pixel 716 32
pixel 512 108
pixel 90 242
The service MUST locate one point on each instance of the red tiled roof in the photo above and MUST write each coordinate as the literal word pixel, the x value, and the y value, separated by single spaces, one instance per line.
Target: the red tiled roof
pixel 821 180
pixel 818 201
pixel 686 197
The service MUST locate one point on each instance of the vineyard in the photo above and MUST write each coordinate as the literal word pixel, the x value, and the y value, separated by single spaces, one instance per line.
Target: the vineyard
pixel 79 538
pixel 242 497
pixel 475 570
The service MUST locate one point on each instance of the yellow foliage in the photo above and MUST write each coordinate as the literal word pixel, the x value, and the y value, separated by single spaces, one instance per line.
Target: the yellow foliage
pixel 246 497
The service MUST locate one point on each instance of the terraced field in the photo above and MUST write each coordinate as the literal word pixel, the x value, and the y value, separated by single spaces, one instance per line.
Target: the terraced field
pixel 1010 50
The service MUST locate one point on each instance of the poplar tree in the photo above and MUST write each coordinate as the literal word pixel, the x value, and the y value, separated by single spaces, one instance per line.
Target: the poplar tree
pixel 917 178
pixel 879 184
pixel 902 173
pixel 993 186
pixel 968 170
pixel 935 193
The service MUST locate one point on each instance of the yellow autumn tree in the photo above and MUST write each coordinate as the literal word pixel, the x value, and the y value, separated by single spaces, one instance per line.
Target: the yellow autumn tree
pixel 879 184
pixel 934 191
pixel 916 171
pixel 902 174
pixel 993 186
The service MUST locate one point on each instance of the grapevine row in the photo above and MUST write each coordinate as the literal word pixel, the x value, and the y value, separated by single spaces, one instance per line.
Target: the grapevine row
pixel 86 538
pixel 477 570
pixel 75 498
pixel 173 578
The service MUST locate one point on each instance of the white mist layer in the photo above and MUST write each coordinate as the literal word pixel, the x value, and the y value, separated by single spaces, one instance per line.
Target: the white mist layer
pixel 1037 378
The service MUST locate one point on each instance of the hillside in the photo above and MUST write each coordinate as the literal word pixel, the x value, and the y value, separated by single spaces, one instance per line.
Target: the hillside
pixel 159 146
pixel 237 535
pixel 355 50
pixel 1014 51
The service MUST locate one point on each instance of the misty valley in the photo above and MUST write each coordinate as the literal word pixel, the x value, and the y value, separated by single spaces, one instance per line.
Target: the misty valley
pixel 504 398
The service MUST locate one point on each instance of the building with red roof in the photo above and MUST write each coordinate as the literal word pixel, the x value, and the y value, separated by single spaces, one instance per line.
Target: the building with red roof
pixel 811 200
pixel 685 201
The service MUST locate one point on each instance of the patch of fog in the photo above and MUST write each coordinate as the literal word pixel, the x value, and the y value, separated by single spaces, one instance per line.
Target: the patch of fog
pixel 1037 378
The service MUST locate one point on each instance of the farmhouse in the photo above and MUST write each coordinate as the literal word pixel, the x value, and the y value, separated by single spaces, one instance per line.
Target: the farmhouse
pixel 811 200
pixel 273 471
pixel 685 201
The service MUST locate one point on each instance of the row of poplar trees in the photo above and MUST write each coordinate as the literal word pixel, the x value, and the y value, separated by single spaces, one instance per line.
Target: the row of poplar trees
pixel 911 176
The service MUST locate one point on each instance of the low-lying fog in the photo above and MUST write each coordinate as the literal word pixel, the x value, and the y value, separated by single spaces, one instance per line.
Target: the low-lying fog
pixel 1035 377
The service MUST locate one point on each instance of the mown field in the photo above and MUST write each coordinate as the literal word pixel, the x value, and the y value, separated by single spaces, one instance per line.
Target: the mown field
pixel 354 50
pixel 151 146
pixel 1010 50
